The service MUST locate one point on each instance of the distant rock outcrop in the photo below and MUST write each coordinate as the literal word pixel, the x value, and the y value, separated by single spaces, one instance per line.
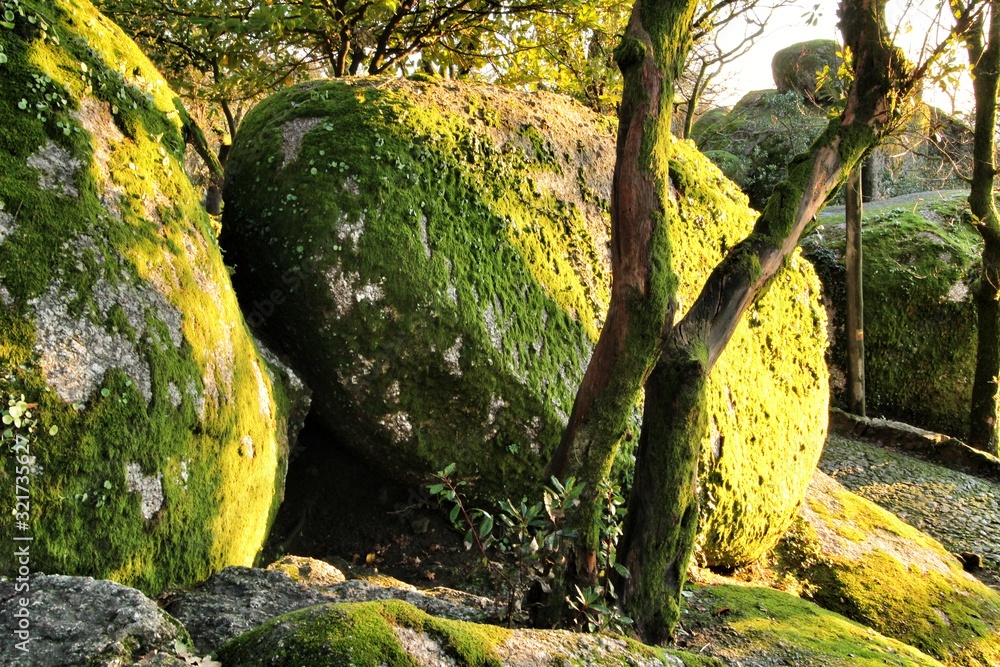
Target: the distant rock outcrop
pixel 809 69
pixel 150 430
pixel 755 140
pixel 434 259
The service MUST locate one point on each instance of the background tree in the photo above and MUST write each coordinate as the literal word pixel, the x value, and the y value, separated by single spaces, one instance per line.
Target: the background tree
pixel 723 32
pixel 983 46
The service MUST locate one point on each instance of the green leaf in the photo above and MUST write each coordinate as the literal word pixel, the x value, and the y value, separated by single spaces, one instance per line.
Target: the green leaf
pixel 454 513
pixel 3 57
pixel 436 489
pixel 449 469
pixel 622 570
pixel 487 526
pixel 107 484
pixel 105 392
pixel 53 429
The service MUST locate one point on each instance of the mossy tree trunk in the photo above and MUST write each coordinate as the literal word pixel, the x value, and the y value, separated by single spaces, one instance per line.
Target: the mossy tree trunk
pixel 651 57
pixel 985 61
pixel 661 523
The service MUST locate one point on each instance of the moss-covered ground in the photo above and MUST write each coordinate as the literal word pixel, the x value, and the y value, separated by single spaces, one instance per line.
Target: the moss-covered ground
pixel 920 263
pixel 752 626
pixel 113 256
pixel 863 562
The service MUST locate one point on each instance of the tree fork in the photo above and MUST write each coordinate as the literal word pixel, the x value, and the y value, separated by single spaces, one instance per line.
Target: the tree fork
pixel 659 530
pixel 650 56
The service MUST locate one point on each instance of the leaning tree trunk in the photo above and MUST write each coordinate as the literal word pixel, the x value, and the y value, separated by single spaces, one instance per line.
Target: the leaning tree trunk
pixel 983 427
pixel 644 284
pixel 661 523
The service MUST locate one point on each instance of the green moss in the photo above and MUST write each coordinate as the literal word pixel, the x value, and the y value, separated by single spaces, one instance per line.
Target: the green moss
pixel 360 634
pixel 858 570
pixel 920 264
pixel 376 633
pixel 777 624
pixel 134 229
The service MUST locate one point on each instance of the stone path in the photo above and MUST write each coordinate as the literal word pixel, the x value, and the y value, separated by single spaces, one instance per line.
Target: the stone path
pixel 959 510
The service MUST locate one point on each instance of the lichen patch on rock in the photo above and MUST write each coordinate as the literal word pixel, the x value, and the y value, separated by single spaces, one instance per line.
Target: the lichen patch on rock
pixel 56 168
pixel 149 488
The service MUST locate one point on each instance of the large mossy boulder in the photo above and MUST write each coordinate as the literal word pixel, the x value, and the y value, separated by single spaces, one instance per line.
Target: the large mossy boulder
pixel 861 561
pixel 434 258
pixel 809 69
pixel 148 430
pixel 920 266
pixel 394 633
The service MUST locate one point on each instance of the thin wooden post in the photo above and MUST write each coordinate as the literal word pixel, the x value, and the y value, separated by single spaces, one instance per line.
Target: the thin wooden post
pixel 855 301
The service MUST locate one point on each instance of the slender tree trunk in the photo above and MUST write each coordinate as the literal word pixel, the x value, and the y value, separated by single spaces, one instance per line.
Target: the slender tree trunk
pixel 213 197
pixel 855 299
pixel 644 284
pixel 661 523
pixel 983 427
pixel 692 103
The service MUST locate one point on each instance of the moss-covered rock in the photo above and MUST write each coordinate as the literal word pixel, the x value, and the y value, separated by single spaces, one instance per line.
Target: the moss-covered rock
pixel 920 264
pixel 809 69
pixel 863 562
pixel 394 633
pixel 758 627
pixel 160 447
pixel 434 258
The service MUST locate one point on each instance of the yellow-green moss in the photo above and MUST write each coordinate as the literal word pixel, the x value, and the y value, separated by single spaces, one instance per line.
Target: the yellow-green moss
pixel 778 624
pixel 362 635
pixel 920 263
pixel 135 226
pixel 768 393
pixel 855 568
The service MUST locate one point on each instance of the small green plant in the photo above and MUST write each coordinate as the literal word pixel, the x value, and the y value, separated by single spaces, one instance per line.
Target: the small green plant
pixel 529 537
pixel 97 497
pixel 19 423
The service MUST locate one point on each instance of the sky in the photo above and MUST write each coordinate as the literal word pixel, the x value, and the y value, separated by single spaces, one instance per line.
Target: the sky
pixel 911 20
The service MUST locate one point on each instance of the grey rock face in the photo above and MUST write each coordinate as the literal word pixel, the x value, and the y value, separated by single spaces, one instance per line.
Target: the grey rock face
pixel 235 601
pixel 239 599
pixel 83 621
